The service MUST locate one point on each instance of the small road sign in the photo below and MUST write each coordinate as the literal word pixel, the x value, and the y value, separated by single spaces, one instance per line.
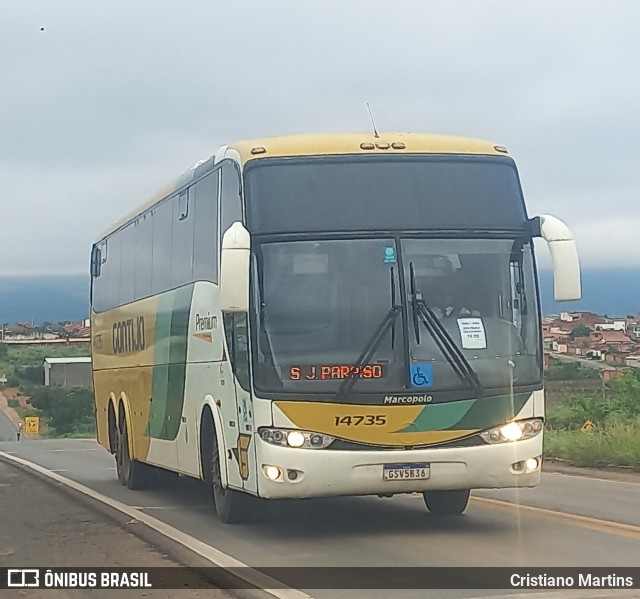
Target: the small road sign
pixel 588 426
pixel 32 425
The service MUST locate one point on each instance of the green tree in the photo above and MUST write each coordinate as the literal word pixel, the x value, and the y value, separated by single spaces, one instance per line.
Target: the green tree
pixel 3 350
pixel 68 410
pixel 621 406
pixel 625 392
pixel 569 371
pixel 32 374
pixel 580 330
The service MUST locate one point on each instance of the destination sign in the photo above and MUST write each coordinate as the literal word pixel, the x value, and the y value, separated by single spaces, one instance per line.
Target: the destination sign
pixel 333 372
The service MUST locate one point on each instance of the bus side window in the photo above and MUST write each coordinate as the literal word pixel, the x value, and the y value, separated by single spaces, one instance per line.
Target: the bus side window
pixel 161 261
pixel 127 263
pixel 111 268
pixel 182 240
pixel 236 332
pixel 143 256
pixel 231 201
pixel 204 198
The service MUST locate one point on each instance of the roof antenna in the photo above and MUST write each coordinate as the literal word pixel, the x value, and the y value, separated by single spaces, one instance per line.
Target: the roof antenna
pixel 372 122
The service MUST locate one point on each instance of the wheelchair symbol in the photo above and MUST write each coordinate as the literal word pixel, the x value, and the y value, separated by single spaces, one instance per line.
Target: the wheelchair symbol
pixel 421 375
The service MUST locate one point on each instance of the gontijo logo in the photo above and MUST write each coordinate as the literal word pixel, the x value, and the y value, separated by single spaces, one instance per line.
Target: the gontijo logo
pixel 128 335
pixel 407 399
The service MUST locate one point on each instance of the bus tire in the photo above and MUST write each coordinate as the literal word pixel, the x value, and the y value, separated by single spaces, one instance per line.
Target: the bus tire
pixel 231 506
pixel 119 456
pixel 131 473
pixel 446 503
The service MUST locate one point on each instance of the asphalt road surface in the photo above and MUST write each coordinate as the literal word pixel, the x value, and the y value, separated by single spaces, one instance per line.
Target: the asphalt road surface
pixel 7 428
pixel 42 525
pixel 566 521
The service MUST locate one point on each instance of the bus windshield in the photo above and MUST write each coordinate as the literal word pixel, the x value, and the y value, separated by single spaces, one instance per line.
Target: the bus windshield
pixel 336 310
pixel 393 193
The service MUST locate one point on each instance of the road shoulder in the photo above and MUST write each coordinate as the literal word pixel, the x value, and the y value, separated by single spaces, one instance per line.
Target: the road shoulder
pixel 611 473
pixel 46 524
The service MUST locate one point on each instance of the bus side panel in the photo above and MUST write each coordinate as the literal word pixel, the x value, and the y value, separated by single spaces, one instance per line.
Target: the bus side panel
pixel 101 401
pixel 203 335
pixel 133 387
pixel 139 357
pixel 209 374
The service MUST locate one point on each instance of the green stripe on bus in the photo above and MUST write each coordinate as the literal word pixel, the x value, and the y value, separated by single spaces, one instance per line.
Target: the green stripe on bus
pixel 170 356
pixel 487 412
pixel 178 359
pixel 478 414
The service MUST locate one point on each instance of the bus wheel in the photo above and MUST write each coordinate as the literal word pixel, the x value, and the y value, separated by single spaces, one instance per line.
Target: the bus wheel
pixel 446 503
pixel 119 455
pixel 135 475
pixel 231 506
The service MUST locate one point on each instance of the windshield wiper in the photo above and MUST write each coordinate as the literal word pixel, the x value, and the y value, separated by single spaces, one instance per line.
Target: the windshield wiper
pixel 450 350
pixel 388 322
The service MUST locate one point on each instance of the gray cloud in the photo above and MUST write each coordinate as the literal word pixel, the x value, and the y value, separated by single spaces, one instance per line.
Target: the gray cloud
pixel 116 98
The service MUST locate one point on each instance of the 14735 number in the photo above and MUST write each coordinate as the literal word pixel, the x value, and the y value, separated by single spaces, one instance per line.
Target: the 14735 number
pixel 363 420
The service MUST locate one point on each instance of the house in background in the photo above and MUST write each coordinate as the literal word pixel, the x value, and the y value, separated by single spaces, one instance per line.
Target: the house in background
pixel 616 325
pixel 68 372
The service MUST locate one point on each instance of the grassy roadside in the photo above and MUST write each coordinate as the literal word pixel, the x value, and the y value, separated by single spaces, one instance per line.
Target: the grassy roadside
pixel 67 413
pixel 20 410
pixel 616 445
pixel 23 363
pixel 613 438
pixel 64 413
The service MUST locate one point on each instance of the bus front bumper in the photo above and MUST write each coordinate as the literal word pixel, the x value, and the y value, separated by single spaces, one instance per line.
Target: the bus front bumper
pixel 321 473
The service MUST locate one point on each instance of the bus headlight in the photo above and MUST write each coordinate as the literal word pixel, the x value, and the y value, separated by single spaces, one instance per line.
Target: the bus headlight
pixel 517 430
pixel 273 473
pixel 295 438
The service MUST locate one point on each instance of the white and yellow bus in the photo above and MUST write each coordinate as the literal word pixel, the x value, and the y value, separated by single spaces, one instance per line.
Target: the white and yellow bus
pixel 316 315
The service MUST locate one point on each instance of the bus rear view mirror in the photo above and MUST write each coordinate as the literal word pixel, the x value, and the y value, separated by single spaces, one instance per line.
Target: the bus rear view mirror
pixel 234 269
pixel 564 256
pixel 96 261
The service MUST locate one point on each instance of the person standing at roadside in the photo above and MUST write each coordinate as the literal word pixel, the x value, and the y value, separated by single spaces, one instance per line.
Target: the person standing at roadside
pixel 19 432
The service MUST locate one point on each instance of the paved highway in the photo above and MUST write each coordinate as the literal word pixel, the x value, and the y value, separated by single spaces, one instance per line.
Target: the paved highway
pixel 567 521
pixel 7 428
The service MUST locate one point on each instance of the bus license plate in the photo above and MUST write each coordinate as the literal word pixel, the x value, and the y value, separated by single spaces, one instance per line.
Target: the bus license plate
pixel 405 471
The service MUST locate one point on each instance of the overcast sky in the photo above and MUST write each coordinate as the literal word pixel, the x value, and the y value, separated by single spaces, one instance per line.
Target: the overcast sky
pixel 113 99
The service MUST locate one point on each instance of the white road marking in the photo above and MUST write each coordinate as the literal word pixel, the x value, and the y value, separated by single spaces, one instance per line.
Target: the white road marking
pixel 215 556
pixel 72 450
pixel 155 507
